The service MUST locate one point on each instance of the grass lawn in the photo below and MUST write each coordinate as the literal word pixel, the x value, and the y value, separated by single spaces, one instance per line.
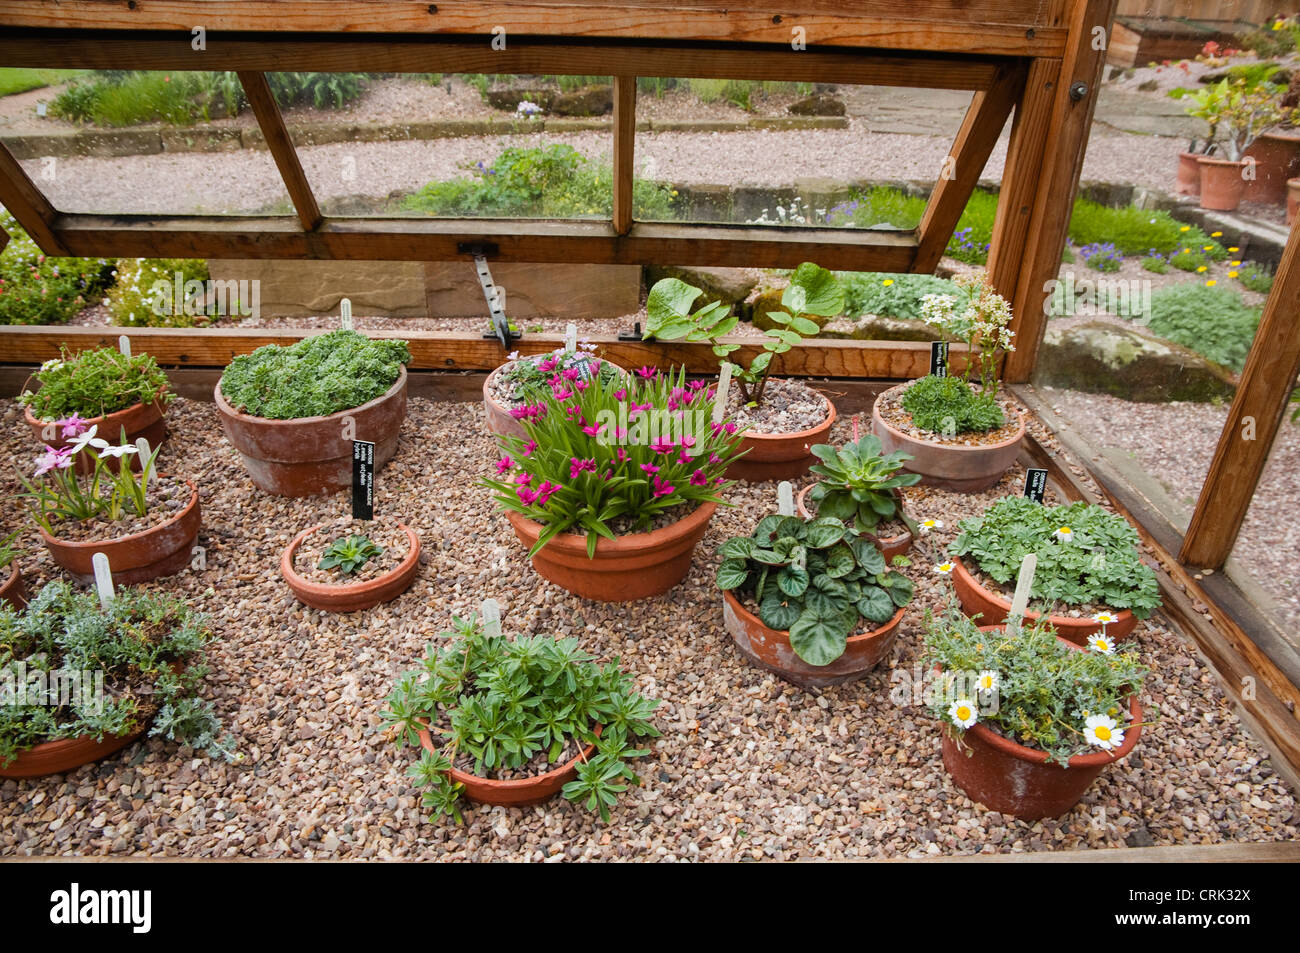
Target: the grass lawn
pixel 20 79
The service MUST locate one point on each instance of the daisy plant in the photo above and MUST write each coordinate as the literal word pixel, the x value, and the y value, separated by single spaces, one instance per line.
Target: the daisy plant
pixel 607 457
pixel 1031 687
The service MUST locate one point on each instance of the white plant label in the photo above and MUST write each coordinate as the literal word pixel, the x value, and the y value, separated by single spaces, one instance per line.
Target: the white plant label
pixel 720 401
pixel 491 618
pixel 1024 583
pixel 571 337
pixel 785 498
pixel 124 345
pixel 143 448
pixel 103 578
pixel 345 314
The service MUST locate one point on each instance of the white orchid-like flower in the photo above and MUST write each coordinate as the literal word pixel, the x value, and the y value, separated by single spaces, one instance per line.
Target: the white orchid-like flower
pixel 87 438
pixel 123 451
pixel 1103 731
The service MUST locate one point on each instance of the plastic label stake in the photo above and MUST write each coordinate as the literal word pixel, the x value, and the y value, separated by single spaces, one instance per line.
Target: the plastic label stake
pixel 939 358
pixel 571 337
pixel 785 498
pixel 1035 484
pixel 103 579
pixel 142 447
pixel 1024 583
pixel 345 315
pixel 124 345
pixel 720 400
pixel 363 480
pixel 491 618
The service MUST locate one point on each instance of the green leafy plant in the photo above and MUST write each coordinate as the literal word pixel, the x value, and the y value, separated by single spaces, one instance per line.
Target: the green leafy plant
pixel 891 295
pixel 1156 263
pixel 812 291
pixel 9 551
pixel 132 644
pixel 859 484
pixel 981 320
pixel 36 289
pixel 530 377
pixel 1085 554
pixel 1237 110
pixel 1255 277
pixel 505 703
pixel 948 405
pixel 319 90
pixel 1133 230
pixel 1213 322
pixel 347 554
pixel 817 579
pixel 1190 259
pixel 315 377
pixel 95 383
pixel 1048 696
pixel 132 301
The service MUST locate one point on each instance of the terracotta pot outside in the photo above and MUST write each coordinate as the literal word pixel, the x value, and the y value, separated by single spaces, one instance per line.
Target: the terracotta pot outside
pixel 352 597
pixel 1222 185
pixel 992 609
pixel 140 420
pixel 630 567
pixel 1188 179
pixel 780 456
pixel 771 648
pixel 889 546
pixel 1009 778
pixel 14 590
pixel 1292 199
pixel 161 550
pixel 1276 155
pixel 518 792
pixel 308 456
pixel 949 466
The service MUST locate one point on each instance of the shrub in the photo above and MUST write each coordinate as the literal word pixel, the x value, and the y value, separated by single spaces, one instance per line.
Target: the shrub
pixel 315 377
pixel 1189 259
pixel 35 289
pixel 95 383
pixel 1213 322
pixel 1155 262
pixel 891 295
pixel 950 405
pixel 1255 277
pixel 1133 230
pixel 1102 256
pixel 131 301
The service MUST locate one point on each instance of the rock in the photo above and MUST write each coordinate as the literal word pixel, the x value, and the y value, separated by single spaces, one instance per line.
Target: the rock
pixel 1149 86
pixel 818 104
pixel 588 101
pixel 1282 77
pixel 534 290
pixel 388 288
pixel 730 285
pixel 876 328
pixel 1140 837
pixel 509 97
pixel 1103 358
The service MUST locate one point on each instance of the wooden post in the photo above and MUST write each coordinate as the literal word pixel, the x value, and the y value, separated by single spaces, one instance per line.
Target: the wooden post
pixel 624 151
pixel 278 140
pixel 26 202
pixel 1253 421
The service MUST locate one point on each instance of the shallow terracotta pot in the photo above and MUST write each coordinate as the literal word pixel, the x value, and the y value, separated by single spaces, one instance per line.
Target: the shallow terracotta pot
pixel 1222 185
pixel 949 466
pixel 519 792
pixel 308 456
pixel 630 567
pixel 140 420
pixel 161 550
pixel 67 754
pixel 1276 155
pixel 499 420
pixel 1292 199
pixel 1188 179
pixel 782 456
pixel 889 546
pixel 352 597
pixel 771 648
pixel 14 589
pixel 1009 778
pixel 992 609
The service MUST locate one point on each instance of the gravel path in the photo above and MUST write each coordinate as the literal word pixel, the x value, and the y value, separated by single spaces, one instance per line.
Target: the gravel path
pixel 748 767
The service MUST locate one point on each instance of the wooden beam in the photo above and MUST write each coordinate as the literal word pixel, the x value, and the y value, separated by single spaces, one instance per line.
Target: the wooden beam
pixel 4 239
pixel 624 151
pixel 1069 123
pixel 1253 421
pixel 965 162
pixel 278 141
pixel 26 202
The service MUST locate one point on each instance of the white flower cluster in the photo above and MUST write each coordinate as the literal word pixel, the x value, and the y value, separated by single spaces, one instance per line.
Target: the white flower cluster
pixel 796 214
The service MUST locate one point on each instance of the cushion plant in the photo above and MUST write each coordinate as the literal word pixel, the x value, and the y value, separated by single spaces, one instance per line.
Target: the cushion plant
pixel 94 384
pixel 859 483
pixel 817 579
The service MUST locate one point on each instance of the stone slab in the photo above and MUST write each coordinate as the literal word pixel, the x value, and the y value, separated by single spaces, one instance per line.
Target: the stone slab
pixel 534 290
pixel 392 289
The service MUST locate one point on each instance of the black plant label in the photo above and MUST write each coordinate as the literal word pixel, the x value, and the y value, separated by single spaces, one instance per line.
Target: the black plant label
pixel 939 358
pixel 363 480
pixel 1035 484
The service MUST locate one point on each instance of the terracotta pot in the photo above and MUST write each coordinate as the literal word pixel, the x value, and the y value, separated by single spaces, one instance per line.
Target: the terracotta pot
pixel 67 754
pixel 519 792
pixel 1276 155
pixel 161 550
pixel 889 546
pixel 993 609
pixel 949 466
pixel 630 567
pixel 1222 185
pixel 308 456
pixel 352 597
pixel 1292 199
pixel 1188 179
pixel 499 420
pixel 771 648
pixel 1009 778
pixel 140 420
pixel 780 456
pixel 14 590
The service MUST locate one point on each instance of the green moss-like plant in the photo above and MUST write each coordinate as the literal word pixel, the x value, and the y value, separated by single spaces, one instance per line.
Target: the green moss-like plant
pixel 949 405
pixel 1212 321
pixel 95 383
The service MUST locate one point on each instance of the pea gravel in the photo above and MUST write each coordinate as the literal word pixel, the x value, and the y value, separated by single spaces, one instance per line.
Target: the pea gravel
pixel 748 767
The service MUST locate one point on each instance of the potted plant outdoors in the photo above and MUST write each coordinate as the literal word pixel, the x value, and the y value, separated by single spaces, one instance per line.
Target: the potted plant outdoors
pixel 146 523
pixel 292 412
pixel 796 592
pixel 13 591
pixel 1187 181
pixel 862 486
pixel 519 720
pixel 781 419
pixel 616 484
pixel 349 565
pixel 520 384
pixel 87 681
pixel 121 397
pixel 1088 560
pixel 960 437
pixel 1029 719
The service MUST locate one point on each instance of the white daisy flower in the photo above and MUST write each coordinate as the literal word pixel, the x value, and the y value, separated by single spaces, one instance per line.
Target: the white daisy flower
pixel 927 525
pixel 1064 534
pixel 1105 618
pixel 1100 643
pixel 1104 732
pixel 988 682
pixel 944 569
pixel 962 712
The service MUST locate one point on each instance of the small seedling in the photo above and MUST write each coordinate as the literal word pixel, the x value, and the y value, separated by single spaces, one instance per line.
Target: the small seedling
pixel 347 554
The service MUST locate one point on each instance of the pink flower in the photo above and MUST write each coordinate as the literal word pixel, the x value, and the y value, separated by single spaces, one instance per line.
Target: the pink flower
pixel 698 478
pixel 523 479
pixel 528 411
pixel 47 461
pixel 526 496
pixel 547 365
pixel 687 440
pixel 572 373
pixel 683 457
pixel 649 468
pixel 504 465
pixel 622 455
pixel 73 426
pixel 582 385
pixel 576 466
pixel 635 409
pixel 529 447
pixel 561 394
pixel 546 491
pixel 647 372
pixel 664 489
pixel 620 394
pixel 592 430
pixel 729 427
pixel 663 446
pixel 714 458
pixel 697 385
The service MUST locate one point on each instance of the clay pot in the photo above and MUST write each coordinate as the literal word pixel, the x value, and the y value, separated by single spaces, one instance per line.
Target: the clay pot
pixel 140 420
pixel 771 649
pixel 352 597
pixel 1292 199
pixel 1188 179
pixel 499 420
pixel 66 754
pixel 949 466
pixel 1276 155
pixel 14 590
pixel 518 792
pixel 780 456
pixel 889 546
pixel 161 550
pixel 1009 778
pixel 630 567
pixel 308 456
pixel 993 609
pixel 1222 185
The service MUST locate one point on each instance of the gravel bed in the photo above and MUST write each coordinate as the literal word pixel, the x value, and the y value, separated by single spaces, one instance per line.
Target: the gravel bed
pixel 748 767
pixel 164 499
pixel 383 532
pixel 788 406
pixel 892 412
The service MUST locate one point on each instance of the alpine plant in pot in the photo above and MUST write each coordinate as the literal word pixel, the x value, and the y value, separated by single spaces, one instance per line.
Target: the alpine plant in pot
pixel 519 384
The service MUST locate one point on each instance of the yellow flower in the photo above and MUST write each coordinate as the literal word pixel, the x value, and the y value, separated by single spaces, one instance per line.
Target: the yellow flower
pixel 1200 269
pixel 1233 248
pixel 1186 228
pixel 1232 274
pixel 1216 234
pixel 1211 283
pixel 1277 24
pixel 887 282
pixel 1235 264
pixel 1207 248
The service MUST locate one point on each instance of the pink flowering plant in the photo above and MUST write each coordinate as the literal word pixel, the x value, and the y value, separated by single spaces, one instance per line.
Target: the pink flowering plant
pixel 605 457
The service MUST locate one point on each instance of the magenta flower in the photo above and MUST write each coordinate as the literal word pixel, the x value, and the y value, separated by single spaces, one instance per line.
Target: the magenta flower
pixel 572 373
pixel 649 468
pixel 620 394
pixel 647 372
pixel 582 385
pixel 696 385
pixel 523 479
pixel 683 457
pixel 526 496
pixel 592 430
pixel 547 365
pixel 561 394
pixel 546 491
pixel 576 466
pixel 622 455
pixel 663 488
pixel 714 458
pixel 698 478
pixel 73 426
pixel 663 446
pixel 529 447
pixel 504 465
pixel 50 460
pixel 634 410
